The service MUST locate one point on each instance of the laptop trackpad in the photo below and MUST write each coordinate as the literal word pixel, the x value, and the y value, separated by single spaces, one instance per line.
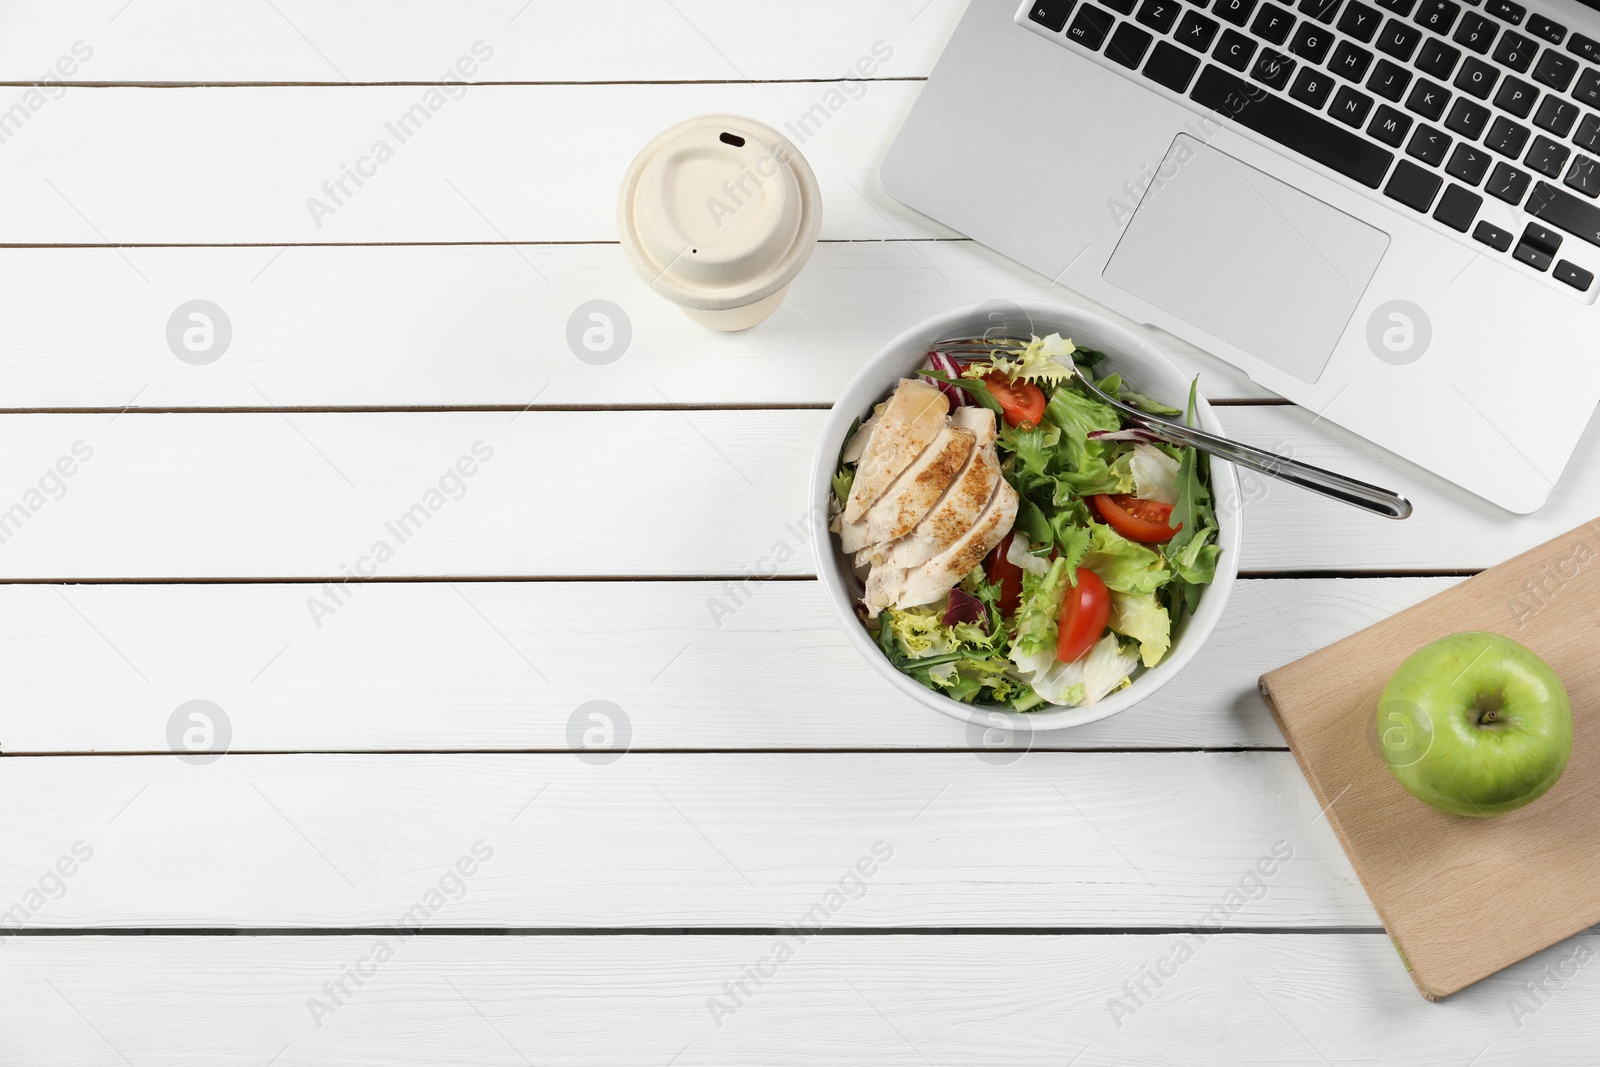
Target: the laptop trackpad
pixel 1269 269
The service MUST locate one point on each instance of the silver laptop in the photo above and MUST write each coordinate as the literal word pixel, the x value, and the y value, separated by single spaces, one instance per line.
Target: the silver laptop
pixel 1384 210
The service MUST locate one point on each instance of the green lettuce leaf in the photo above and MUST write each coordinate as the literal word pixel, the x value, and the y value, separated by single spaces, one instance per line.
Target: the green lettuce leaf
pixel 1124 565
pixel 1141 617
pixel 1040 610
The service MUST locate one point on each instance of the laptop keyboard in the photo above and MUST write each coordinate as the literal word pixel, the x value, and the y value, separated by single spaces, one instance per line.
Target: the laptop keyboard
pixel 1438 104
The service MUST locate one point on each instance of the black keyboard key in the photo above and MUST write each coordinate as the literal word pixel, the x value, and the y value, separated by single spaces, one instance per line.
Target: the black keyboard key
pixel 1506 137
pixel 1235 49
pixel 1428 145
pixel 1427 99
pixel 1272 23
pixel 1574 275
pixel 1171 66
pixel 1476 33
pixel 1476 77
pixel 1413 186
pixel 1466 118
pixel 1515 51
pixel 1438 16
pixel 1293 127
pixel 1399 7
pixel 1458 207
pixel 1508 183
pixel 1555 70
pixel 1051 14
pixel 1321 10
pixel 1468 163
pixel 1588 135
pixel 1350 107
pixel 1234 11
pixel 1551 31
pixel 1547 157
pixel 1537 246
pixel 1516 96
pixel 1312 87
pixel 1350 61
pixel 1359 21
pixel 1272 68
pixel 1196 31
pixel 1493 236
pixel 1588 88
pixel 1398 39
pixel 1311 42
pixel 1127 45
pixel 1090 27
pixel 1389 80
pixel 1584 176
pixel 1159 15
pixel 1389 126
pixel 1506 9
pixel 1556 115
pixel 1584 47
pixel 1437 59
pixel 1122 7
pixel 1559 208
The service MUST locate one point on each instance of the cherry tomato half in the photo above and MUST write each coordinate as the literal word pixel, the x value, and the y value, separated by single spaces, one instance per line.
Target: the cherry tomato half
pixel 1084 612
pixel 1136 519
pixel 1022 403
pixel 1009 575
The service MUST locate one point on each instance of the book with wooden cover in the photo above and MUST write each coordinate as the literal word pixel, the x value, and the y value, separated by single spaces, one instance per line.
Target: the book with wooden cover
pixel 1461 897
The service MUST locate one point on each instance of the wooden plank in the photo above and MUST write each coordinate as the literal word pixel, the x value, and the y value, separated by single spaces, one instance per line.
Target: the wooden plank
pixel 472 666
pixel 491 163
pixel 642 40
pixel 708 493
pixel 1109 840
pixel 1239 998
pixel 467 326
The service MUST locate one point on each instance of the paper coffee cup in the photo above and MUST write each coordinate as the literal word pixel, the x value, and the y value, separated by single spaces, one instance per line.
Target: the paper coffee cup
pixel 718 214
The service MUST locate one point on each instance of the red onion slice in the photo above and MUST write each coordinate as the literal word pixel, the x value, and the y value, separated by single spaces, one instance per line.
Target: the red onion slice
pixel 963 607
pixel 947 366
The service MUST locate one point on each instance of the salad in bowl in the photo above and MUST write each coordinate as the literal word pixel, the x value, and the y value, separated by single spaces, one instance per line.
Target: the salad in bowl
pixel 1007 545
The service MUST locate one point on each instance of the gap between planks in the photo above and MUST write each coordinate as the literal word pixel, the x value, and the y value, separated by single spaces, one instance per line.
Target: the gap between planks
pixel 676 931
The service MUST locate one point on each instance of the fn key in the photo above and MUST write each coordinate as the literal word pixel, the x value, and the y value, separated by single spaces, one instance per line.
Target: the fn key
pixel 1171 66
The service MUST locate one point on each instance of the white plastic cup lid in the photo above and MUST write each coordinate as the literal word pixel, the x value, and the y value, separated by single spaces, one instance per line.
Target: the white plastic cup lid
pixel 718 212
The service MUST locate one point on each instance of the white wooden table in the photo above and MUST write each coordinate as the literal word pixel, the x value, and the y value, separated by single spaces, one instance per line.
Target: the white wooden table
pixel 400 753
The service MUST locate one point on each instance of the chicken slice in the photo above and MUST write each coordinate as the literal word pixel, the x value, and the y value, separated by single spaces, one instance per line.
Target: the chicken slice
pixel 910 421
pixel 919 487
pixel 927 582
pixel 956 511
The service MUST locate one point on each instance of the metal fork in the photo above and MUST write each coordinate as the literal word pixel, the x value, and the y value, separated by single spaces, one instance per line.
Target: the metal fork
pixel 1351 491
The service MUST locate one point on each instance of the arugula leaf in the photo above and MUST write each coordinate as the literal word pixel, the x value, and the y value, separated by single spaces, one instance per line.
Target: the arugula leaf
pixel 973 387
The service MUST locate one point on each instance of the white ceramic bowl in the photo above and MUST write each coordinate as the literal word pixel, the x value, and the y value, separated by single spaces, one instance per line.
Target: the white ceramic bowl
pixel 1143 367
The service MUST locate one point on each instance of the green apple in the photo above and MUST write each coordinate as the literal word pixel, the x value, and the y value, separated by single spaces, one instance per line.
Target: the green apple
pixel 1475 724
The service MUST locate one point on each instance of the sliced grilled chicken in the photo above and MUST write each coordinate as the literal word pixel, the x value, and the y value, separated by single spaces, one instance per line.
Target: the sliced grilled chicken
pixel 956 511
pixel 923 584
pixel 858 440
pixel 920 486
pixel 910 421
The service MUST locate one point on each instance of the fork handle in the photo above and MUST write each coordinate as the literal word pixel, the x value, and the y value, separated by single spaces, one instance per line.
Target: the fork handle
pixel 1351 491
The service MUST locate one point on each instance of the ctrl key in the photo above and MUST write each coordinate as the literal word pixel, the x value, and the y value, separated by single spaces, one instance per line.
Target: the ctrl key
pixel 1574 275
pixel 1090 27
